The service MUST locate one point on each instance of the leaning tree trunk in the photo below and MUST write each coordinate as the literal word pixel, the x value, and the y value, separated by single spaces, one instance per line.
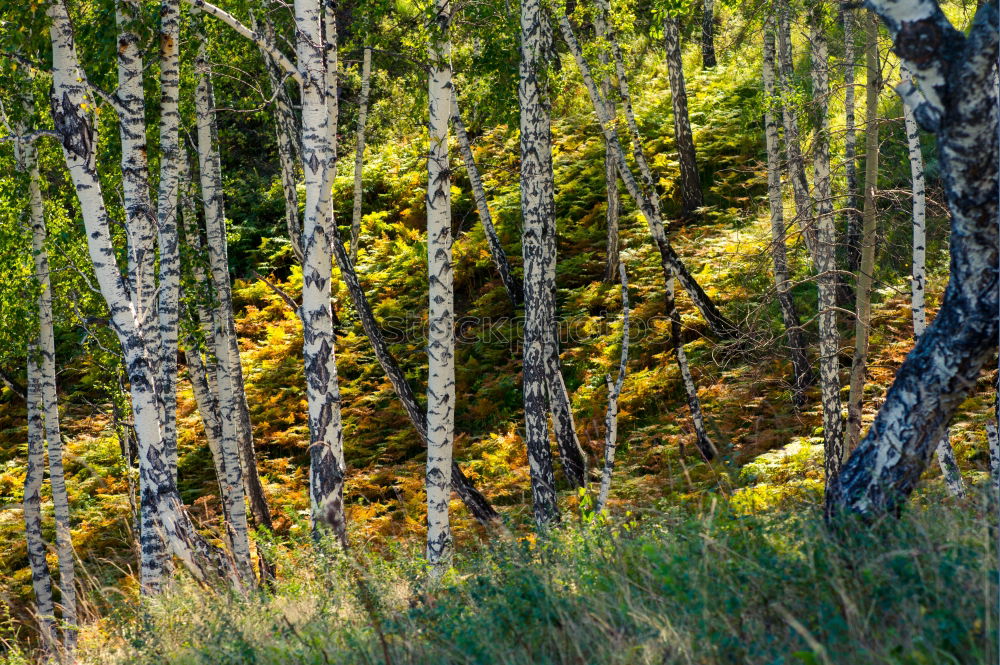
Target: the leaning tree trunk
pixel 441 295
pixel 507 276
pixel 691 196
pixel 946 456
pixel 41 579
pixel 650 193
pixel 670 262
pixel 538 225
pixel 957 101
pixel 863 292
pixel 793 147
pixel 779 251
pixel 708 34
pixel 79 139
pixel 359 150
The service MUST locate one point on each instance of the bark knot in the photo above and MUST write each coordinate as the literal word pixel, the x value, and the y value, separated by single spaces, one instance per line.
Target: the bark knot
pixel 919 41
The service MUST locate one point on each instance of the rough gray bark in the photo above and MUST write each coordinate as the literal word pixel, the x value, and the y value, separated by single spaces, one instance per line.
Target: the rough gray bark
pixel 499 256
pixel 862 292
pixel 691 196
pixel 614 392
pixel 708 34
pixel 779 251
pixel 359 150
pixel 538 230
pixel 441 296
pixel 956 101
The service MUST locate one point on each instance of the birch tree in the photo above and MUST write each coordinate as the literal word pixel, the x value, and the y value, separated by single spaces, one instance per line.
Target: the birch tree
pixel 165 521
pixel 708 34
pixel 359 149
pixel 614 393
pixel 691 195
pixel 952 96
pixel 852 218
pixel 612 210
pixel 441 316
pixel 538 226
pixel 918 280
pixel 779 251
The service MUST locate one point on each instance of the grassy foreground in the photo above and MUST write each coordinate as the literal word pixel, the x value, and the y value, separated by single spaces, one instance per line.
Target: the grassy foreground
pixel 706 588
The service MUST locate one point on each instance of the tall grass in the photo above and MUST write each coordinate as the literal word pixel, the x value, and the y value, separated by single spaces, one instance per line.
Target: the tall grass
pixel 713 588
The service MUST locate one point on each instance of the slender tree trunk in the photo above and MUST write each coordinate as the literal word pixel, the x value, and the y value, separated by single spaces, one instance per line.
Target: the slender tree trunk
pixel 359 151
pixel 441 315
pixel 287 131
pixel 79 139
pixel 140 216
pixel 612 211
pixel 779 251
pixel 670 262
pixel 538 213
pixel 510 281
pixel 946 456
pixel 862 306
pixel 614 392
pixel 650 194
pixel 956 102
pixel 691 195
pixel 168 289
pixel 41 579
pixel 210 169
pixel 853 219
pixel 793 146
pixel 708 34
pixel 326 474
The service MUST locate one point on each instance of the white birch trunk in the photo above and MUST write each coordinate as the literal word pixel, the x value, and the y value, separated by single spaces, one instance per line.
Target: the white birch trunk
pixel 614 392
pixel 231 484
pixel 538 212
pixel 824 247
pixel 612 210
pixel 918 281
pixel 161 498
pixel 708 34
pixel 326 473
pixel 41 579
pixel 441 316
pixel 359 150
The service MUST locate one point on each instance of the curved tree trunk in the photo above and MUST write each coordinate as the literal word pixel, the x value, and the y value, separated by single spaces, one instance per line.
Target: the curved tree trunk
pixel 957 102
pixel 691 195
pixel 538 231
pixel 779 251
pixel 441 296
